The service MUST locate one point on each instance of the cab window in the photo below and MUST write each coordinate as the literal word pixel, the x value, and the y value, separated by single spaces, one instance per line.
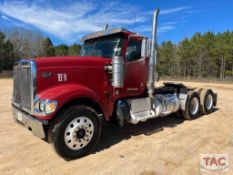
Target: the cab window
pixel 133 51
pixel 106 47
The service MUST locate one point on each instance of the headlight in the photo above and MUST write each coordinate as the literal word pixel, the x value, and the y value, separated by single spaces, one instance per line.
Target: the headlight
pixel 44 107
pixel 48 106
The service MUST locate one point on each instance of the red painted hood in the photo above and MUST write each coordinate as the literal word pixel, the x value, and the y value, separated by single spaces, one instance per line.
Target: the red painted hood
pixel 79 70
pixel 70 61
pixel 71 77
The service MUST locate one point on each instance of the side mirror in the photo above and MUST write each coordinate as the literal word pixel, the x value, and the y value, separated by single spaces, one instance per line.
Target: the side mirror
pixel 118 71
pixel 145 50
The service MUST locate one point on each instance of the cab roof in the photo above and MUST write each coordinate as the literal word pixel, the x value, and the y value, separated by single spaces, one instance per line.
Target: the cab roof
pixel 106 33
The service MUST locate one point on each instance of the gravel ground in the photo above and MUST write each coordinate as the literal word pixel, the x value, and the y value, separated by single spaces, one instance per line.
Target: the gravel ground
pixel 160 146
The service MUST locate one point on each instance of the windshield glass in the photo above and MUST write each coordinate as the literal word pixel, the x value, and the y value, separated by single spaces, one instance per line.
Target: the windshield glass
pixel 103 47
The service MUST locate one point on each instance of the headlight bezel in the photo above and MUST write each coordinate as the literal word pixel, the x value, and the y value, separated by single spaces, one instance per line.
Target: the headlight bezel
pixel 44 107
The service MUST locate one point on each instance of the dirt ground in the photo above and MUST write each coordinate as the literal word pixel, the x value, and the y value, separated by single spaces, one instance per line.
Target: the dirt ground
pixel 160 146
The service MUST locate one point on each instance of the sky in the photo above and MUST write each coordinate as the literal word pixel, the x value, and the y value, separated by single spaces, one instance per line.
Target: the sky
pixel 66 21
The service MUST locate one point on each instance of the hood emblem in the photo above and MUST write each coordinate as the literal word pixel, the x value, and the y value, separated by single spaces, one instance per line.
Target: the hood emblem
pixel 46 74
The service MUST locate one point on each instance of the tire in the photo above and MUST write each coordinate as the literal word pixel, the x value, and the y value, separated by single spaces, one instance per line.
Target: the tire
pixel 78 133
pixel 192 109
pixel 207 101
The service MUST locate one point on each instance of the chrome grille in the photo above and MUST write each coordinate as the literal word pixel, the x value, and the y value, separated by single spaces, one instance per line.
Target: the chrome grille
pixel 16 91
pixel 24 85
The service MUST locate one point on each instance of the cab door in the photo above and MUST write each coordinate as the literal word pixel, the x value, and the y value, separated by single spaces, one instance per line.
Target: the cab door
pixel 135 68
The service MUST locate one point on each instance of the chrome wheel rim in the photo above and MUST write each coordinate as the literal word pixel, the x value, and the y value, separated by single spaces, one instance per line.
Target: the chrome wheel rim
pixel 79 133
pixel 209 102
pixel 194 106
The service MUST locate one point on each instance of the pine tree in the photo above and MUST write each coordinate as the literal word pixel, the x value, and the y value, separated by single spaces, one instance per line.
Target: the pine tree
pixel 48 48
pixel 61 50
pixel 74 49
pixel 7 55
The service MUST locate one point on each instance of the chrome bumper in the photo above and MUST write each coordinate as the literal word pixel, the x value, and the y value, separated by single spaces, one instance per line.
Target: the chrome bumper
pixel 31 123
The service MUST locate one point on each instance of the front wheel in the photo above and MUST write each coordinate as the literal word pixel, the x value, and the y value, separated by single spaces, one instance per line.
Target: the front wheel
pixel 78 132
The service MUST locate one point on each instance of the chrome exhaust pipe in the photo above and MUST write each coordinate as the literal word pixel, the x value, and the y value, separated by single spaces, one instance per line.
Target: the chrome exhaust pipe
pixel 153 56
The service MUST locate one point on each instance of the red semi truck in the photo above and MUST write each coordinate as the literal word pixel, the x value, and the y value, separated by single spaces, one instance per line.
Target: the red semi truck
pixel 62 99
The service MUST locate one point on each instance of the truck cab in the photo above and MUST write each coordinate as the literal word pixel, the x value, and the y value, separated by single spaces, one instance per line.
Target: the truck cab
pixel 63 99
pixel 121 43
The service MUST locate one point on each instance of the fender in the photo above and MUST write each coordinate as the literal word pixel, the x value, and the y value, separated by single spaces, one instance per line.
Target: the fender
pixel 68 92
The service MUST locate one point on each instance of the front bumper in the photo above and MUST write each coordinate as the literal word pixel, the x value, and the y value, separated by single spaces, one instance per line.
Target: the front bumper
pixel 31 123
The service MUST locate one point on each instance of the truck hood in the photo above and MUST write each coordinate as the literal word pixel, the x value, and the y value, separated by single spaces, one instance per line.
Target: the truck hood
pixel 71 61
pixel 57 71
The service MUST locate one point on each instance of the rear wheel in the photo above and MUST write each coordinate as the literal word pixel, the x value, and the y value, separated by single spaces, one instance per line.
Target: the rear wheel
pixel 192 106
pixel 207 101
pixel 78 133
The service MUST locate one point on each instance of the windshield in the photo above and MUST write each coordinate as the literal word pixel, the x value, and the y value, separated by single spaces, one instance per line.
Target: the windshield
pixel 104 47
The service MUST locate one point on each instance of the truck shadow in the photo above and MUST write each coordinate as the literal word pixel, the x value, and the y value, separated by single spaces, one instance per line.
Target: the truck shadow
pixel 112 134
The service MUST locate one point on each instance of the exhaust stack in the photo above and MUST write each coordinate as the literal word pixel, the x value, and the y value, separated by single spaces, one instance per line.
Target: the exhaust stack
pixel 153 56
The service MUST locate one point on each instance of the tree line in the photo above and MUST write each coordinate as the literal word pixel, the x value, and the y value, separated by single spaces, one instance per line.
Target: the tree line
pixel 20 43
pixel 205 55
